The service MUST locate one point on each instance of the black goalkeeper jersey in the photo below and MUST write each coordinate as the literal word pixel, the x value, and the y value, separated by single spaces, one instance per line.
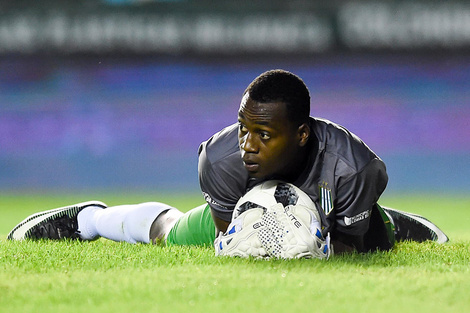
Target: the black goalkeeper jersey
pixel 343 176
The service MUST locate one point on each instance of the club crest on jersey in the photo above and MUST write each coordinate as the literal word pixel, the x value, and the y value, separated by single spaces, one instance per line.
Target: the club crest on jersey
pixel 326 200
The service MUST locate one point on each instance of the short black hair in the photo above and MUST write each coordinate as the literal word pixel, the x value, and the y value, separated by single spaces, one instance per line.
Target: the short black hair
pixel 282 86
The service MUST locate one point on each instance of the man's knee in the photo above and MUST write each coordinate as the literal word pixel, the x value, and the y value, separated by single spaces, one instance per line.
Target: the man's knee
pixel 163 224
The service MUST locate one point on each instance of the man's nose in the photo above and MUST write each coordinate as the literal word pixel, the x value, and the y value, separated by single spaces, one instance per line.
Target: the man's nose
pixel 248 143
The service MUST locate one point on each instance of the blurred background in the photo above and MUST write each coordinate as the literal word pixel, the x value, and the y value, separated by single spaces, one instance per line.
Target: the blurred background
pixel 117 95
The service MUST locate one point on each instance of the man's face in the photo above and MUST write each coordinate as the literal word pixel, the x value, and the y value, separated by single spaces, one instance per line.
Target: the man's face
pixel 269 143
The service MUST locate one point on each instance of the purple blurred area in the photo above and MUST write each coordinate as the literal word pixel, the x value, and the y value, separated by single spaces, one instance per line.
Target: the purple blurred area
pixel 115 123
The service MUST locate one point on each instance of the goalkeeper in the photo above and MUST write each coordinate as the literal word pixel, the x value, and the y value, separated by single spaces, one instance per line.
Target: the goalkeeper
pixel 274 138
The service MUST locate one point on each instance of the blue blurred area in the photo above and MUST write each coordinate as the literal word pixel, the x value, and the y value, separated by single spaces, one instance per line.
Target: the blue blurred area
pixel 135 124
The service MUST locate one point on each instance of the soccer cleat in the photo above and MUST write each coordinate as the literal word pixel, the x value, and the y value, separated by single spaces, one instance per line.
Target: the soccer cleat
pixel 52 224
pixel 409 226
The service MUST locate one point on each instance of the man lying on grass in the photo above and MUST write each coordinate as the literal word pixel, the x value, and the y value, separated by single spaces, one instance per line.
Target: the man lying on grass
pixel 274 138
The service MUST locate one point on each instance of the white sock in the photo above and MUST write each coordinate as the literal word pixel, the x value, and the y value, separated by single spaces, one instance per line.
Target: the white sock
pixel 86 223
pixel 130 223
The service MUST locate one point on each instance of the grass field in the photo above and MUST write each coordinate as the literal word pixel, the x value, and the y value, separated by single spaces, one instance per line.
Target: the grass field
pixel 104 276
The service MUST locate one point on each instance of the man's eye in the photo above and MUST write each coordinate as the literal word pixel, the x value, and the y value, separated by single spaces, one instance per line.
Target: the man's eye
pixel 242 128
pixel 265 136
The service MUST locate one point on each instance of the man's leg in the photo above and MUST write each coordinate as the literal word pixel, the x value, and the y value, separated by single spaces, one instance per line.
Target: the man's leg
pixel 144 222
pixel 90 220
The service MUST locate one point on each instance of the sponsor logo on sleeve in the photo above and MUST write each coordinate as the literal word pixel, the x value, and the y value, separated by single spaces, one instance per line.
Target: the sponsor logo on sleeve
pixel 356 218
pixel 211 202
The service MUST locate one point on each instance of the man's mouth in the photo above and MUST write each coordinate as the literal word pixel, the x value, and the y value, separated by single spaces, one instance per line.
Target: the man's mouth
pixel 251 166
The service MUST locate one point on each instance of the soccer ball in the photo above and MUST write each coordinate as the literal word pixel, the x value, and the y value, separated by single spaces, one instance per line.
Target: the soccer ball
pixel 270 193
pixel 274 219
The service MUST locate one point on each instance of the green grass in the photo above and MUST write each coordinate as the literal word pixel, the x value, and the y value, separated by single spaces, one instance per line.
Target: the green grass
pixel 105 276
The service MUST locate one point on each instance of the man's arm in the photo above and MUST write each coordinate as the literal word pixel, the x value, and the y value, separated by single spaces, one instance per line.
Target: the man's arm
pixel 355 200
pixel 220 224
pixel 222 177
pixel 356 196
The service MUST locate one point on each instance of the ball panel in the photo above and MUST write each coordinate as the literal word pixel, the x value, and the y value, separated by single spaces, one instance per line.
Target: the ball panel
pixel 247 206
pixel 286 194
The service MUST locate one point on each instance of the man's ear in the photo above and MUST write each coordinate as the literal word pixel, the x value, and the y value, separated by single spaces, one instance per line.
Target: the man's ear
pixel 304 134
